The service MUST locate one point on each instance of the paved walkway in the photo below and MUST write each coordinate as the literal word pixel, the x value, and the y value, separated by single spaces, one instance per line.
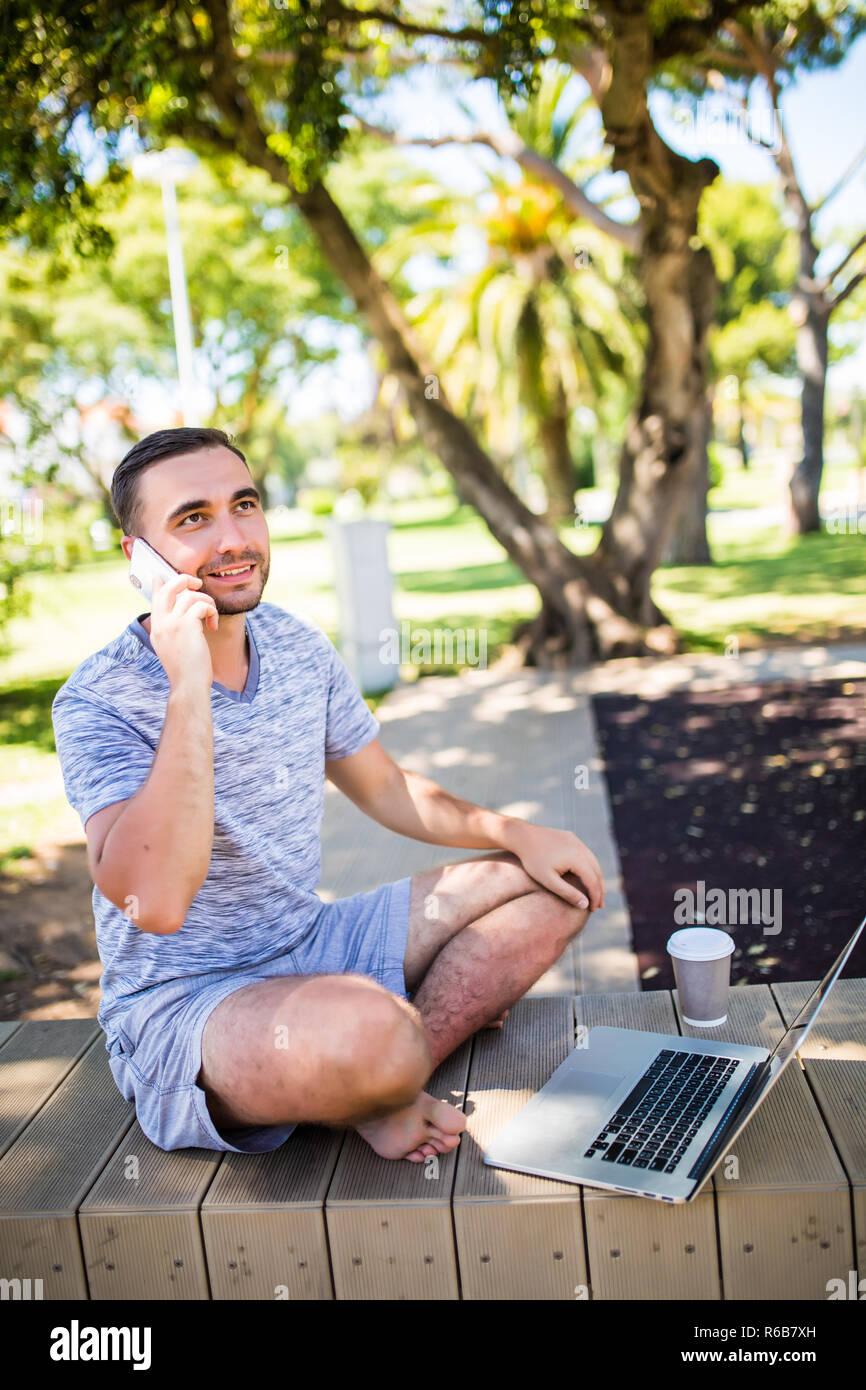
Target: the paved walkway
pixel 525 743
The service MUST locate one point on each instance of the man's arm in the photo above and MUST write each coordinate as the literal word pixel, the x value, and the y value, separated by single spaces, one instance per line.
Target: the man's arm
pixel 150 854
pixel 415 806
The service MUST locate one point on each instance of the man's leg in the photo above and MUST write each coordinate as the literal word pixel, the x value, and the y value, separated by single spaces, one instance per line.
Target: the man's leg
pixel 484 967
pixel 446 899
pixel 335 1050
pixel 353 1047
pixel 491 963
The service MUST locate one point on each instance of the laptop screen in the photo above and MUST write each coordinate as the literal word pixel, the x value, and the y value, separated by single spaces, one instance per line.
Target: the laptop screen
pixel 794 1037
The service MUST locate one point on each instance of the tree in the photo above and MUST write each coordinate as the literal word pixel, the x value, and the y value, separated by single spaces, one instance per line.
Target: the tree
pixel 755 255
pixel 258 288
pixel 272 88
pixel 771 44
pixel 544 324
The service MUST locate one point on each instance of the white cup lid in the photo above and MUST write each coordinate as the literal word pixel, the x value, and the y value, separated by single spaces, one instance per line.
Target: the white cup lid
pixel 700 943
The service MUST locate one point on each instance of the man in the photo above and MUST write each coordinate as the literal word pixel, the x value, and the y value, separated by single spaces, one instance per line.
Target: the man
pixel 195 748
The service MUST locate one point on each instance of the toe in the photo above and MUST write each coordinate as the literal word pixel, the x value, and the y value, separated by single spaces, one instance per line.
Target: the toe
pixel 444 1142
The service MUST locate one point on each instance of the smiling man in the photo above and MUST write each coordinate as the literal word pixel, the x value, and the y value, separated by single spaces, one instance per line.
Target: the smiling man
pixel 195 747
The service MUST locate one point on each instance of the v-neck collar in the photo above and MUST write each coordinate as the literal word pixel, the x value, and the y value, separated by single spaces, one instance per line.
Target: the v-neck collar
pixel 238 697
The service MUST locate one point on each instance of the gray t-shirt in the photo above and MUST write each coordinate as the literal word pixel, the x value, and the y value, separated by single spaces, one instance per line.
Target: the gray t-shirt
pixel 299 707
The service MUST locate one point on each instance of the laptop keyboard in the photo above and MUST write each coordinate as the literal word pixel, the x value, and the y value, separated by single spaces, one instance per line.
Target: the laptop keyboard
pixel 660 1117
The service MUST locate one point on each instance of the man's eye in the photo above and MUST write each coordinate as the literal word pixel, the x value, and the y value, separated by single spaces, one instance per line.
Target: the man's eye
pixel 247 502
pixel 191 516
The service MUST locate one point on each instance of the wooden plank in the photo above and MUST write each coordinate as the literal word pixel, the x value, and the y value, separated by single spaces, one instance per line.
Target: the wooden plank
pixel 33 1063
pixel 264 1224
pixel 605 957
pixel 784 1205
pixel 7 1029
pixel 139 1224
pixel 48 1170
pixel 833 1057
pixel 388 1220
pixel 518 1237
pixel 640 1248
pixel 840 1028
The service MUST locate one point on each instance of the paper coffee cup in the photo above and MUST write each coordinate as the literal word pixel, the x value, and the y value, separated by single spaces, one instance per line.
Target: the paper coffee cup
pixel 701 959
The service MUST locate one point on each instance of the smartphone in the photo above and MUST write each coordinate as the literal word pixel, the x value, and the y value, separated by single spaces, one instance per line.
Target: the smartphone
pixel 144 564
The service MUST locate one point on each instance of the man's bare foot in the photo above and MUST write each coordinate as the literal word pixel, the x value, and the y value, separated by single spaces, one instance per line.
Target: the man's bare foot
pixel 427 1126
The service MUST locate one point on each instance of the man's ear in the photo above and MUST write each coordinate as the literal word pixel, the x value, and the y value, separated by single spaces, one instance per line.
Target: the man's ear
pixel 126 545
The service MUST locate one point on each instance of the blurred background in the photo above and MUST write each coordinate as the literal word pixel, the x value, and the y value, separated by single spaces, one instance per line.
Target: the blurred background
pixel 486 272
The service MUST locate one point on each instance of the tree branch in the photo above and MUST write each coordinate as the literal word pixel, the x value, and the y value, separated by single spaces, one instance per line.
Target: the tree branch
pixel 333 10
pixel 849 288
pixel 722 58
pixel 828 279
pixel 840 183
pixel 764 66
pixel 510 146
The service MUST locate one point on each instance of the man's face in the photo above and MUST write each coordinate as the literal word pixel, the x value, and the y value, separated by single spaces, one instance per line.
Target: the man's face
pixel 202 513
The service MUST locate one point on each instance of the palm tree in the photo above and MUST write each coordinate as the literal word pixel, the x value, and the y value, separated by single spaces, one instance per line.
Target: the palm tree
pixel 547 317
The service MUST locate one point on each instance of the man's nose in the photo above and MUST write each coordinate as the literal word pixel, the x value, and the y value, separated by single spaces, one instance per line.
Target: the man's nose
pixel 229 535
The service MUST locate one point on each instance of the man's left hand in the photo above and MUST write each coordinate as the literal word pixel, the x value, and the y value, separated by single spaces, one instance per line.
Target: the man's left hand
pixel 560 862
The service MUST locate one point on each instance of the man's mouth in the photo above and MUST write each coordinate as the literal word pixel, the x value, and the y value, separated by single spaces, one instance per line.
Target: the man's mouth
pixel 233 574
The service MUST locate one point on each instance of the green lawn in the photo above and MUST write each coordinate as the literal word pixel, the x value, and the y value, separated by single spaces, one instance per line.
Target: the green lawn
pixel 449 574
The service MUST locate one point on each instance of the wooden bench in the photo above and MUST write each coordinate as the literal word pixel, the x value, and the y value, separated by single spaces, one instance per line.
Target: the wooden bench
pixel 95 1211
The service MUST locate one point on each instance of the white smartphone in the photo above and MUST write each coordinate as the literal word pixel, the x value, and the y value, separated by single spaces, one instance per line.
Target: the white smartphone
pixel 144 564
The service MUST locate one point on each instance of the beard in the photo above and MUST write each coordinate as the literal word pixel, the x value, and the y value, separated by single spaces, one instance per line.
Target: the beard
pixel 246 598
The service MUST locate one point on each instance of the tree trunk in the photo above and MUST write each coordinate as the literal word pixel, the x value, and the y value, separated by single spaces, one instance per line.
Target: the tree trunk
pixel 805 484
pixel 582 612
pixel 812 322
pixel 744 448
pixel 689 544
pixel 667 435
pixel 559 473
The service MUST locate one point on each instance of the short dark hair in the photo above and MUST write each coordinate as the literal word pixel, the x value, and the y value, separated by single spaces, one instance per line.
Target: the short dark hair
pixel 154 447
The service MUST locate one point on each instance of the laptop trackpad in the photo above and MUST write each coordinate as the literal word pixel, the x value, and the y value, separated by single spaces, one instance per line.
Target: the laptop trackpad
pixel 570 1105
pixel 596 1083
pixel 579 1096
pixel 591 1086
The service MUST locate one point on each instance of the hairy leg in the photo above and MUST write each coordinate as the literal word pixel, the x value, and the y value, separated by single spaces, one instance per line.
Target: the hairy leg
pixel 491 963
pixel 338 1050
pixel 319 1049
pixel 446 899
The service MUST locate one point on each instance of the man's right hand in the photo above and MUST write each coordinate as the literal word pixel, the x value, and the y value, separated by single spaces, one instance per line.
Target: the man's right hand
pixel 178 618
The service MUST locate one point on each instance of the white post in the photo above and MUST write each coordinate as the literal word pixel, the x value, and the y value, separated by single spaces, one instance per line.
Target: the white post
pixel 363 583
pixel 179 304
pixel 167 168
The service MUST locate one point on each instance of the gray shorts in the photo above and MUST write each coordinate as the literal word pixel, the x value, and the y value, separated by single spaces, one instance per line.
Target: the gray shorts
pixel 154 1045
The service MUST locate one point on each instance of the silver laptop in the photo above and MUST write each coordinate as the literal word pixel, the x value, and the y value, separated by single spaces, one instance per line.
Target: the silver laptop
pixel 648 1113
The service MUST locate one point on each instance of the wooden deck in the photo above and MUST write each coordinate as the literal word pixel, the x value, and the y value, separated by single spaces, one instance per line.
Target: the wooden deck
pixel 93 1209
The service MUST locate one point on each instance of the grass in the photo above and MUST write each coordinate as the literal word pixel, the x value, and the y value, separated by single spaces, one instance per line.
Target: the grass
pixel 449 574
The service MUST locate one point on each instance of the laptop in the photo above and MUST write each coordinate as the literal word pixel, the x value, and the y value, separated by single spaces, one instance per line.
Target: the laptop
pixel 651 1114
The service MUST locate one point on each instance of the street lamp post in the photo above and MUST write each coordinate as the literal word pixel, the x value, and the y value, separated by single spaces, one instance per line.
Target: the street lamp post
pixel 168 168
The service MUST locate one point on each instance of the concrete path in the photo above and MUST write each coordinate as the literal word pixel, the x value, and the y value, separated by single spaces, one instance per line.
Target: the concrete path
pixel 525 743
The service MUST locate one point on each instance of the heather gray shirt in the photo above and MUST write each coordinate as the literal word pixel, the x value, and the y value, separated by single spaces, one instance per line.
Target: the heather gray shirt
pixel 299 707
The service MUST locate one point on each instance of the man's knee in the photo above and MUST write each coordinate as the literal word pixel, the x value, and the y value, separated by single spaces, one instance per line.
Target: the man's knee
pixel 557 919
pixel 382 1046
